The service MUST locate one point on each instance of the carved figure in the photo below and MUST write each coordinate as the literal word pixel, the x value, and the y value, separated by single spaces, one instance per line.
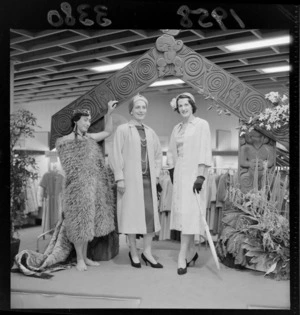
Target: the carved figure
pixel 255 146
pixel 234 94
pixel 169 46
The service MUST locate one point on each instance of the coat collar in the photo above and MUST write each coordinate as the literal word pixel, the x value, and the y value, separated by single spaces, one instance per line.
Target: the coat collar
pixel 193 122
pixel 132 124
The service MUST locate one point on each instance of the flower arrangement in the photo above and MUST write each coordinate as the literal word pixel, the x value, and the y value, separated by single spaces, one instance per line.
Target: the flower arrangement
pixel 173 103
pixel 256 229
pixel 271 118
pixel 22 166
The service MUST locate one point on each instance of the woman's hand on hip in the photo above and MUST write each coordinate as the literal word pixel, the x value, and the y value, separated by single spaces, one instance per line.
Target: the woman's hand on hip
pixel 121 186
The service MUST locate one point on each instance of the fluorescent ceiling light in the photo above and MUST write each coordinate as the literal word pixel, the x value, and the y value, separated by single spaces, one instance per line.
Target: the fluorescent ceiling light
pixel 260 43
pixel 112 67
pixel 276 69
pixel 167 82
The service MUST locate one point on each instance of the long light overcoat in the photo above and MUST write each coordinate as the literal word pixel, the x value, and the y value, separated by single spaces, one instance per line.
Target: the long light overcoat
pixel 196 150
pixel 126 163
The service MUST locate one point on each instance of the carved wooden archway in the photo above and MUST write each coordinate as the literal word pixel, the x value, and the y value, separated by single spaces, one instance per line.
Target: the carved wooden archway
pixel 169 57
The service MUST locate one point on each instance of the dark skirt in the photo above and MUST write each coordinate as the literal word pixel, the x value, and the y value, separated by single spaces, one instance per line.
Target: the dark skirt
pixel 149 215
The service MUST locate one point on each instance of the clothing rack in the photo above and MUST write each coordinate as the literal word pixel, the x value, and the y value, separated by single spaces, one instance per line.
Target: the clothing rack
pixel 223 169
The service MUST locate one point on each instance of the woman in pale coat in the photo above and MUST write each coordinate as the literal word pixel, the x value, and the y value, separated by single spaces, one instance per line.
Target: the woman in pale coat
pixel 191 155
pixel 136 160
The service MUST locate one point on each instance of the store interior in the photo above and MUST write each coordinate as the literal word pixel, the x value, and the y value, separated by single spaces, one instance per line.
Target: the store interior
pixel 49 70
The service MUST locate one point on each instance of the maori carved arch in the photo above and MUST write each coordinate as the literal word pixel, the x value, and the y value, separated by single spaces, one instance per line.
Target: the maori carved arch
pixel 168 57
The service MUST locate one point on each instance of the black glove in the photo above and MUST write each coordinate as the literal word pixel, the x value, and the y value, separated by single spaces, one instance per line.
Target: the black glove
pixel 198 183
pixel 158 188
pixel 171 172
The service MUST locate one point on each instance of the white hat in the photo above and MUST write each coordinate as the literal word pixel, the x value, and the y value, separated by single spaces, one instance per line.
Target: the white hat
pixel 136 98
pixel 187 94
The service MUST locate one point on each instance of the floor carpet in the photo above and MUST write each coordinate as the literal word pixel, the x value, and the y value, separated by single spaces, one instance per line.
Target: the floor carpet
pixel 115 284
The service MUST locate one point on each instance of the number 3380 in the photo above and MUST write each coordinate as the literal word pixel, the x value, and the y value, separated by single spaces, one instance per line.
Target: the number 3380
pixel 55 18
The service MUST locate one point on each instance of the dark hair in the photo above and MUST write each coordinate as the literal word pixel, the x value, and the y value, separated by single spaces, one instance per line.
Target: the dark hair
pixel 76 117
pixel 191 102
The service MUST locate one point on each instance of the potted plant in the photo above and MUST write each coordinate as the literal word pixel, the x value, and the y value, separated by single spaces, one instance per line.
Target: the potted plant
pixel 256 232
pixel 22 168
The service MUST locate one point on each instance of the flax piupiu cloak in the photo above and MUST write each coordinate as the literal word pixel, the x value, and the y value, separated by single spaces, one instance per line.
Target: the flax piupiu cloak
pixel 87 200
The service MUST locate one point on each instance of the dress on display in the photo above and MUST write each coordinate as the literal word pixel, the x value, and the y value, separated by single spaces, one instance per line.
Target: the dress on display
pixel 31 202
pixel 52 184
pixel 165 203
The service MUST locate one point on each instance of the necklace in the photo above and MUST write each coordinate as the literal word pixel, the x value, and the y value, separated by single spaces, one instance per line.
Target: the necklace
pixel 146 164
pixel 143 142
pixel 78 134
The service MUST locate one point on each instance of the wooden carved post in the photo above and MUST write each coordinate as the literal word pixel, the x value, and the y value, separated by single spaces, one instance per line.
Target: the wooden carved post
pixel 254 149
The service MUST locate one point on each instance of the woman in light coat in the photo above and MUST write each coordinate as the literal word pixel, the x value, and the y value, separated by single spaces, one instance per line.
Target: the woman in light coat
pixel 136 160
pixel 191 155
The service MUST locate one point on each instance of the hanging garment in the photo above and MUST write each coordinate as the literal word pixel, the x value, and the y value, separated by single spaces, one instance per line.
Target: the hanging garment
pixel 188 150
pixel 31 202
pixel 127 166
pixel 223 189
pixel 165 201
pixel 212 201
pixel 222 192
pixel 88 200
pixel 165 232
pixel 52 184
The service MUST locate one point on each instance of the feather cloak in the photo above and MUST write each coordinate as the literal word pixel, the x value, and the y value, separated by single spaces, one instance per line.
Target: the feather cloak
pixel 88 201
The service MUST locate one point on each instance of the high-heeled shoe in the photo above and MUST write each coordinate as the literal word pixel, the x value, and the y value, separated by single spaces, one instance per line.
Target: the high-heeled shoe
pixel 182 271
pixel 157 265
pixel 193 260
pixel 133 264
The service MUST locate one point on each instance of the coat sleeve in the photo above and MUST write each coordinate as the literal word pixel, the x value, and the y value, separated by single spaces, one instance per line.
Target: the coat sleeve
pixel 157 154
pixel 205 151
pixel 117 160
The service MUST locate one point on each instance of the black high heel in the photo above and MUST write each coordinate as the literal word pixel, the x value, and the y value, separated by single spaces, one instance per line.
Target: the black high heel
pixel 193 260
pixel 157 265
pixel 133 264
pixel 182 271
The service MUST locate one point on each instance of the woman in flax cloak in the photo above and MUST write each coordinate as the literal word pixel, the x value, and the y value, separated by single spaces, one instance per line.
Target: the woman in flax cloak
pixel 136 161
pixel 191 155
pixel 86 206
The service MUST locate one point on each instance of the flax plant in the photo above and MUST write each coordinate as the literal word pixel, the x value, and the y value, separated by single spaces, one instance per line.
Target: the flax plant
pixel 256 229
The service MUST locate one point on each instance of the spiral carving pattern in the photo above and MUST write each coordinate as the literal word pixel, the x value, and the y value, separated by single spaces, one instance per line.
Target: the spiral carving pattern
pixel 246 182
pixel 282 134
pixel 61 122
pixel 216 82
pixel 252 105
pixel 145 70
pixel 124 84
pixel 89 104
pixel 193 65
